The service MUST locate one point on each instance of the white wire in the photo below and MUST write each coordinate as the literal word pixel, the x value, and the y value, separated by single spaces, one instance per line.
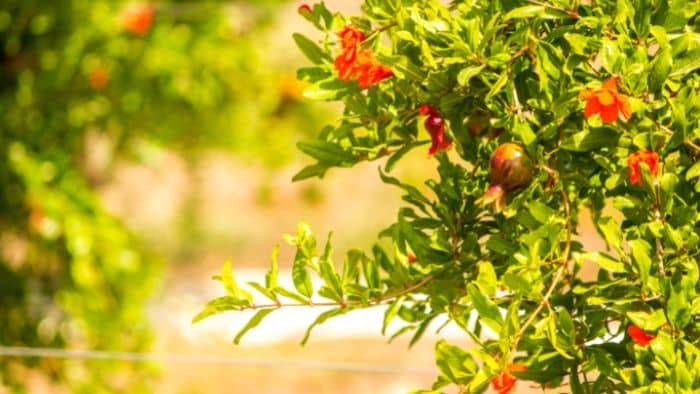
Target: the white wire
pixel 16 351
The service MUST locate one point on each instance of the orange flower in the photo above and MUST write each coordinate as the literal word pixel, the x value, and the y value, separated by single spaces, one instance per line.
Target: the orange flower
pixel 98 78
pixel 137 18
pixel 639 336
pixel 650 158
pixel 354 62
pixel 350 38
pixel 504 383
pixel 607 102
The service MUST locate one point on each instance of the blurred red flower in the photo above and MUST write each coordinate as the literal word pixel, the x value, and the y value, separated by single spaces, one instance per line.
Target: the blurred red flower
pixel 639 336
pixel 98 78
pixel 607 102
pixel 137 18
pixel 650 158
pixel 504 383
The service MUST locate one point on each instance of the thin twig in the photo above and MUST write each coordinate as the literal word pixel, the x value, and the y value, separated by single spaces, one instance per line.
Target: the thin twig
pixel 372 302
pixel 686 141
pixel 572 14
pixel 516 102
pixel 557 278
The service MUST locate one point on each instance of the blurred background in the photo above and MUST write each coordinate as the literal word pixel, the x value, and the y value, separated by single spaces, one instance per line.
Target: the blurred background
pixel 141 146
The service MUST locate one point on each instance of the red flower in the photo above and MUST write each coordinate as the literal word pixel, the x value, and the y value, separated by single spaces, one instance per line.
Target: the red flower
pixel 435 126
pixel 371 73
pixel 639 336
pixel 98 78
pixel 353 62
pixel 350 38
pixel 304 8
pixel 411 258
pixel 607 102
pixel 426 109
pixel 137 18
pixel 504 383
pixel 650 158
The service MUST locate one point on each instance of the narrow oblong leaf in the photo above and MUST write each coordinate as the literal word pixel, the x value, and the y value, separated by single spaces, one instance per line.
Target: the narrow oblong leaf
pixel 252 323
pixel 301 277
pixel 309 48
pixel 322 319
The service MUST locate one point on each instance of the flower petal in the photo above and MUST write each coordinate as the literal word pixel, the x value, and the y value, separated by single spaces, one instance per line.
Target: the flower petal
pixel 611 84
pixel 624 105
pixel 592 107
pixel 609 113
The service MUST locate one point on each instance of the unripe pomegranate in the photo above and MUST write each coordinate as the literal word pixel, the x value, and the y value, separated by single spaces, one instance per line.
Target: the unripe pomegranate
pixel 510 169
pixel 477 122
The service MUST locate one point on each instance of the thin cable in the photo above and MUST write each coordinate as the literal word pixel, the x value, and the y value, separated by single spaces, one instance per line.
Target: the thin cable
pixel 11 351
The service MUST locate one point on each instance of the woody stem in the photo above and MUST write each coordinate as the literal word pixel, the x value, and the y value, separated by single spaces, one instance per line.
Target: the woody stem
pixel 659 219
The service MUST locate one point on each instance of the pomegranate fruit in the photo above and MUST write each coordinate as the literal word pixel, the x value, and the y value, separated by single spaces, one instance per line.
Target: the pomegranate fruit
pixel 510 168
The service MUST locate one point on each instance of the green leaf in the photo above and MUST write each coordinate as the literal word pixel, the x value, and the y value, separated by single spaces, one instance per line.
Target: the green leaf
pixel 267 292
pixel 219 305
pixel 549 59
pixel 322 318
pixel 289 294
pixel 661 68
pixel 488 311
pixel 315 170
pixel 327 152
pixel 252 323
pixel 371 272
pixel 612 233
pixel 685 67
pixel 390 313
pixel 693 172
pixel 500 245
pixel 399 154
pixel 497 86
pixel 300 276
pixel 453 362
pixel 309 48
pixel 647 321
pixel 487 280
pixel 527 11
pixel 328 273
pixel 588 140
pixel 541 212
pixel 468 73
pixel 271 275
pixel 228 280
pixel 604 261
pixel 421 330
pixel 403 67
pixel 641 250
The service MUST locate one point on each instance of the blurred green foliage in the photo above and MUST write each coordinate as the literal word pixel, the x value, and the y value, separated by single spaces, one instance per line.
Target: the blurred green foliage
pixel 200 76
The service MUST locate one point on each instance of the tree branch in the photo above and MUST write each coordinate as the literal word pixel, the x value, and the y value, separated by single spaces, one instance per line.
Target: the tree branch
pixel 372 302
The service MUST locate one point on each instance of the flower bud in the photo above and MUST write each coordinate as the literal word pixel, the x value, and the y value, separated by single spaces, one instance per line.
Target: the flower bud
pixel 434 124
